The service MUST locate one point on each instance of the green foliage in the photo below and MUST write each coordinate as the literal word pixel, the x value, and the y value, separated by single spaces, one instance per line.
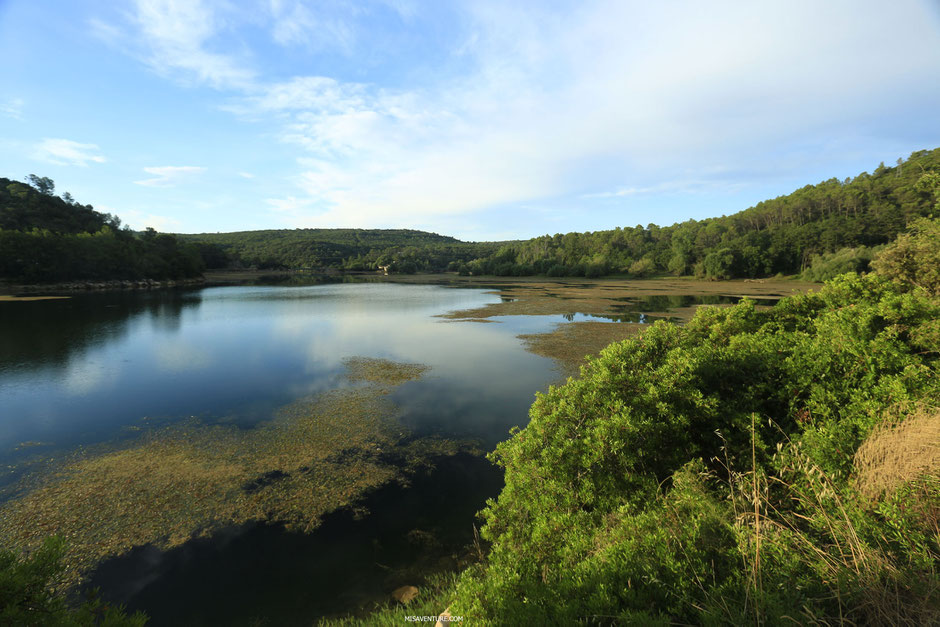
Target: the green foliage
pixel 402 250
pixel 719 264
pixel 433 598
pixel 781 235
pixel 44 238
pixel 627 495
pixel 914 258
pixel 27 595
pixel 829 265
pixel 43 184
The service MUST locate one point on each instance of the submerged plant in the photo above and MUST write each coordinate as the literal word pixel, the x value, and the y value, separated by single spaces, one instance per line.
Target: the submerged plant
pixel 316 455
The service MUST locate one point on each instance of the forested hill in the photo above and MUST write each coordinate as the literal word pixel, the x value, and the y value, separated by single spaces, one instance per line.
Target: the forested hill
pixel 45 238
pixel 821 229
pixel 404 250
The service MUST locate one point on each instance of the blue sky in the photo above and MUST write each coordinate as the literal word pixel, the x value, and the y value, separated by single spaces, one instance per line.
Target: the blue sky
pixel 478 119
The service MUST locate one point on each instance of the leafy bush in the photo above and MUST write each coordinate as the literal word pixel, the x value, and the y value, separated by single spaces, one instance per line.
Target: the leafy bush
pixel 703 473
pixel 28 596
pixel 914 258
pixel 830 265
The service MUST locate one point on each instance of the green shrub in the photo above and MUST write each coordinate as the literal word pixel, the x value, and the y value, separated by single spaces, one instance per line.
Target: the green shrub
pixel 28 595
pixel 623 496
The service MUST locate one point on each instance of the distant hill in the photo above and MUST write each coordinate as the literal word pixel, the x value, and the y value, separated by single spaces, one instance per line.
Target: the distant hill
pixel 404 250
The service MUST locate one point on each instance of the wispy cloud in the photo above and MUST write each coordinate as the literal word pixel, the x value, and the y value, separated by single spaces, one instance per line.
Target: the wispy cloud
pixel 67 152
pixel 313 25
pixel 246 175
pixel 697 186
pixel 174 37
pixel 12 108
pixel 168 175
pixel 552 102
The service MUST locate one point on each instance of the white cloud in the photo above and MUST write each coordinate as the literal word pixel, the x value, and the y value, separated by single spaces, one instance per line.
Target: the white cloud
pixel 561 101
pixel 316 26
pixel 12 108
pixel 562 104
pixel 167 175
pixel 246 175
pixel 66 152
pixel 290 205
pixel 139 220
pixel 175 37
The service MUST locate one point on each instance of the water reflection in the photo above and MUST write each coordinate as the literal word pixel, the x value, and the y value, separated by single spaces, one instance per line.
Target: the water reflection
pixel 99 366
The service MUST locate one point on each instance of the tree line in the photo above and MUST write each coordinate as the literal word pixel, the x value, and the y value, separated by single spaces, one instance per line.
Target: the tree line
pixel 46 238
pixel 399 250
pixel 820 230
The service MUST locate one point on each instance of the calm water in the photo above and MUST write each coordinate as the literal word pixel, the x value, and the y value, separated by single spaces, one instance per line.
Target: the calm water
pixel 103 367
pixel 77 371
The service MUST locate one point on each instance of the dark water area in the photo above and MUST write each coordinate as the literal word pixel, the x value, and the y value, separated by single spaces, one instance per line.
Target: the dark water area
pixel 104 369
pixel 264 575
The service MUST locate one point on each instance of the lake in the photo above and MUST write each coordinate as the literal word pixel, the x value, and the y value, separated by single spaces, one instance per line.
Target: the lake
pixel 99 372
pixel 268 454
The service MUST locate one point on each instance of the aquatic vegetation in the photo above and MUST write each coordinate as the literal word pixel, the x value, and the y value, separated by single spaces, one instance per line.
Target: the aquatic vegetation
pixel 608 296
pixel 316 455
pixel 570 343
pixel 381 370
pixel 12 299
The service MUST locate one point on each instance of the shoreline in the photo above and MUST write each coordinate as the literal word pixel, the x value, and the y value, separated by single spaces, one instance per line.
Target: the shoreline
pixel 14 289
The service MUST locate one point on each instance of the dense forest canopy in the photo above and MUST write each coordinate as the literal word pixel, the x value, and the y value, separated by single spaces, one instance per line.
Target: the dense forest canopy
pixel 401 250
pixel 831 223
pixel 45 238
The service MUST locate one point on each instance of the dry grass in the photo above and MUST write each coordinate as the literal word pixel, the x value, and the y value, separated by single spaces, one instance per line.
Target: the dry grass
pixel 817 525
pixel 317 455
pixel 569 343
pixel 899 452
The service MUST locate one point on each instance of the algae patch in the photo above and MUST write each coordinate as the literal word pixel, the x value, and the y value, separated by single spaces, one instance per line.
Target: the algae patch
pixel 569 343
pixel 381 371
pixel 607 296
pixel 314 456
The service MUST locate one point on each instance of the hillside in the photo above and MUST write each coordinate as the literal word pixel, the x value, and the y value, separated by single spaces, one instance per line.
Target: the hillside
pixel 404 250
pixel 831 223
pixel 45 238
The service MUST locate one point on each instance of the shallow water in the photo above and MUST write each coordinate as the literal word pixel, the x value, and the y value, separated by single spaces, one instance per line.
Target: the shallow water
pixel 111 367
pixel 98 368
pixel 89 368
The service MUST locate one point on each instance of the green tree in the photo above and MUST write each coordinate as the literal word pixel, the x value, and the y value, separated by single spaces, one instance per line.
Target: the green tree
pixel 914 258
pixel 719 264
pixel 43 184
